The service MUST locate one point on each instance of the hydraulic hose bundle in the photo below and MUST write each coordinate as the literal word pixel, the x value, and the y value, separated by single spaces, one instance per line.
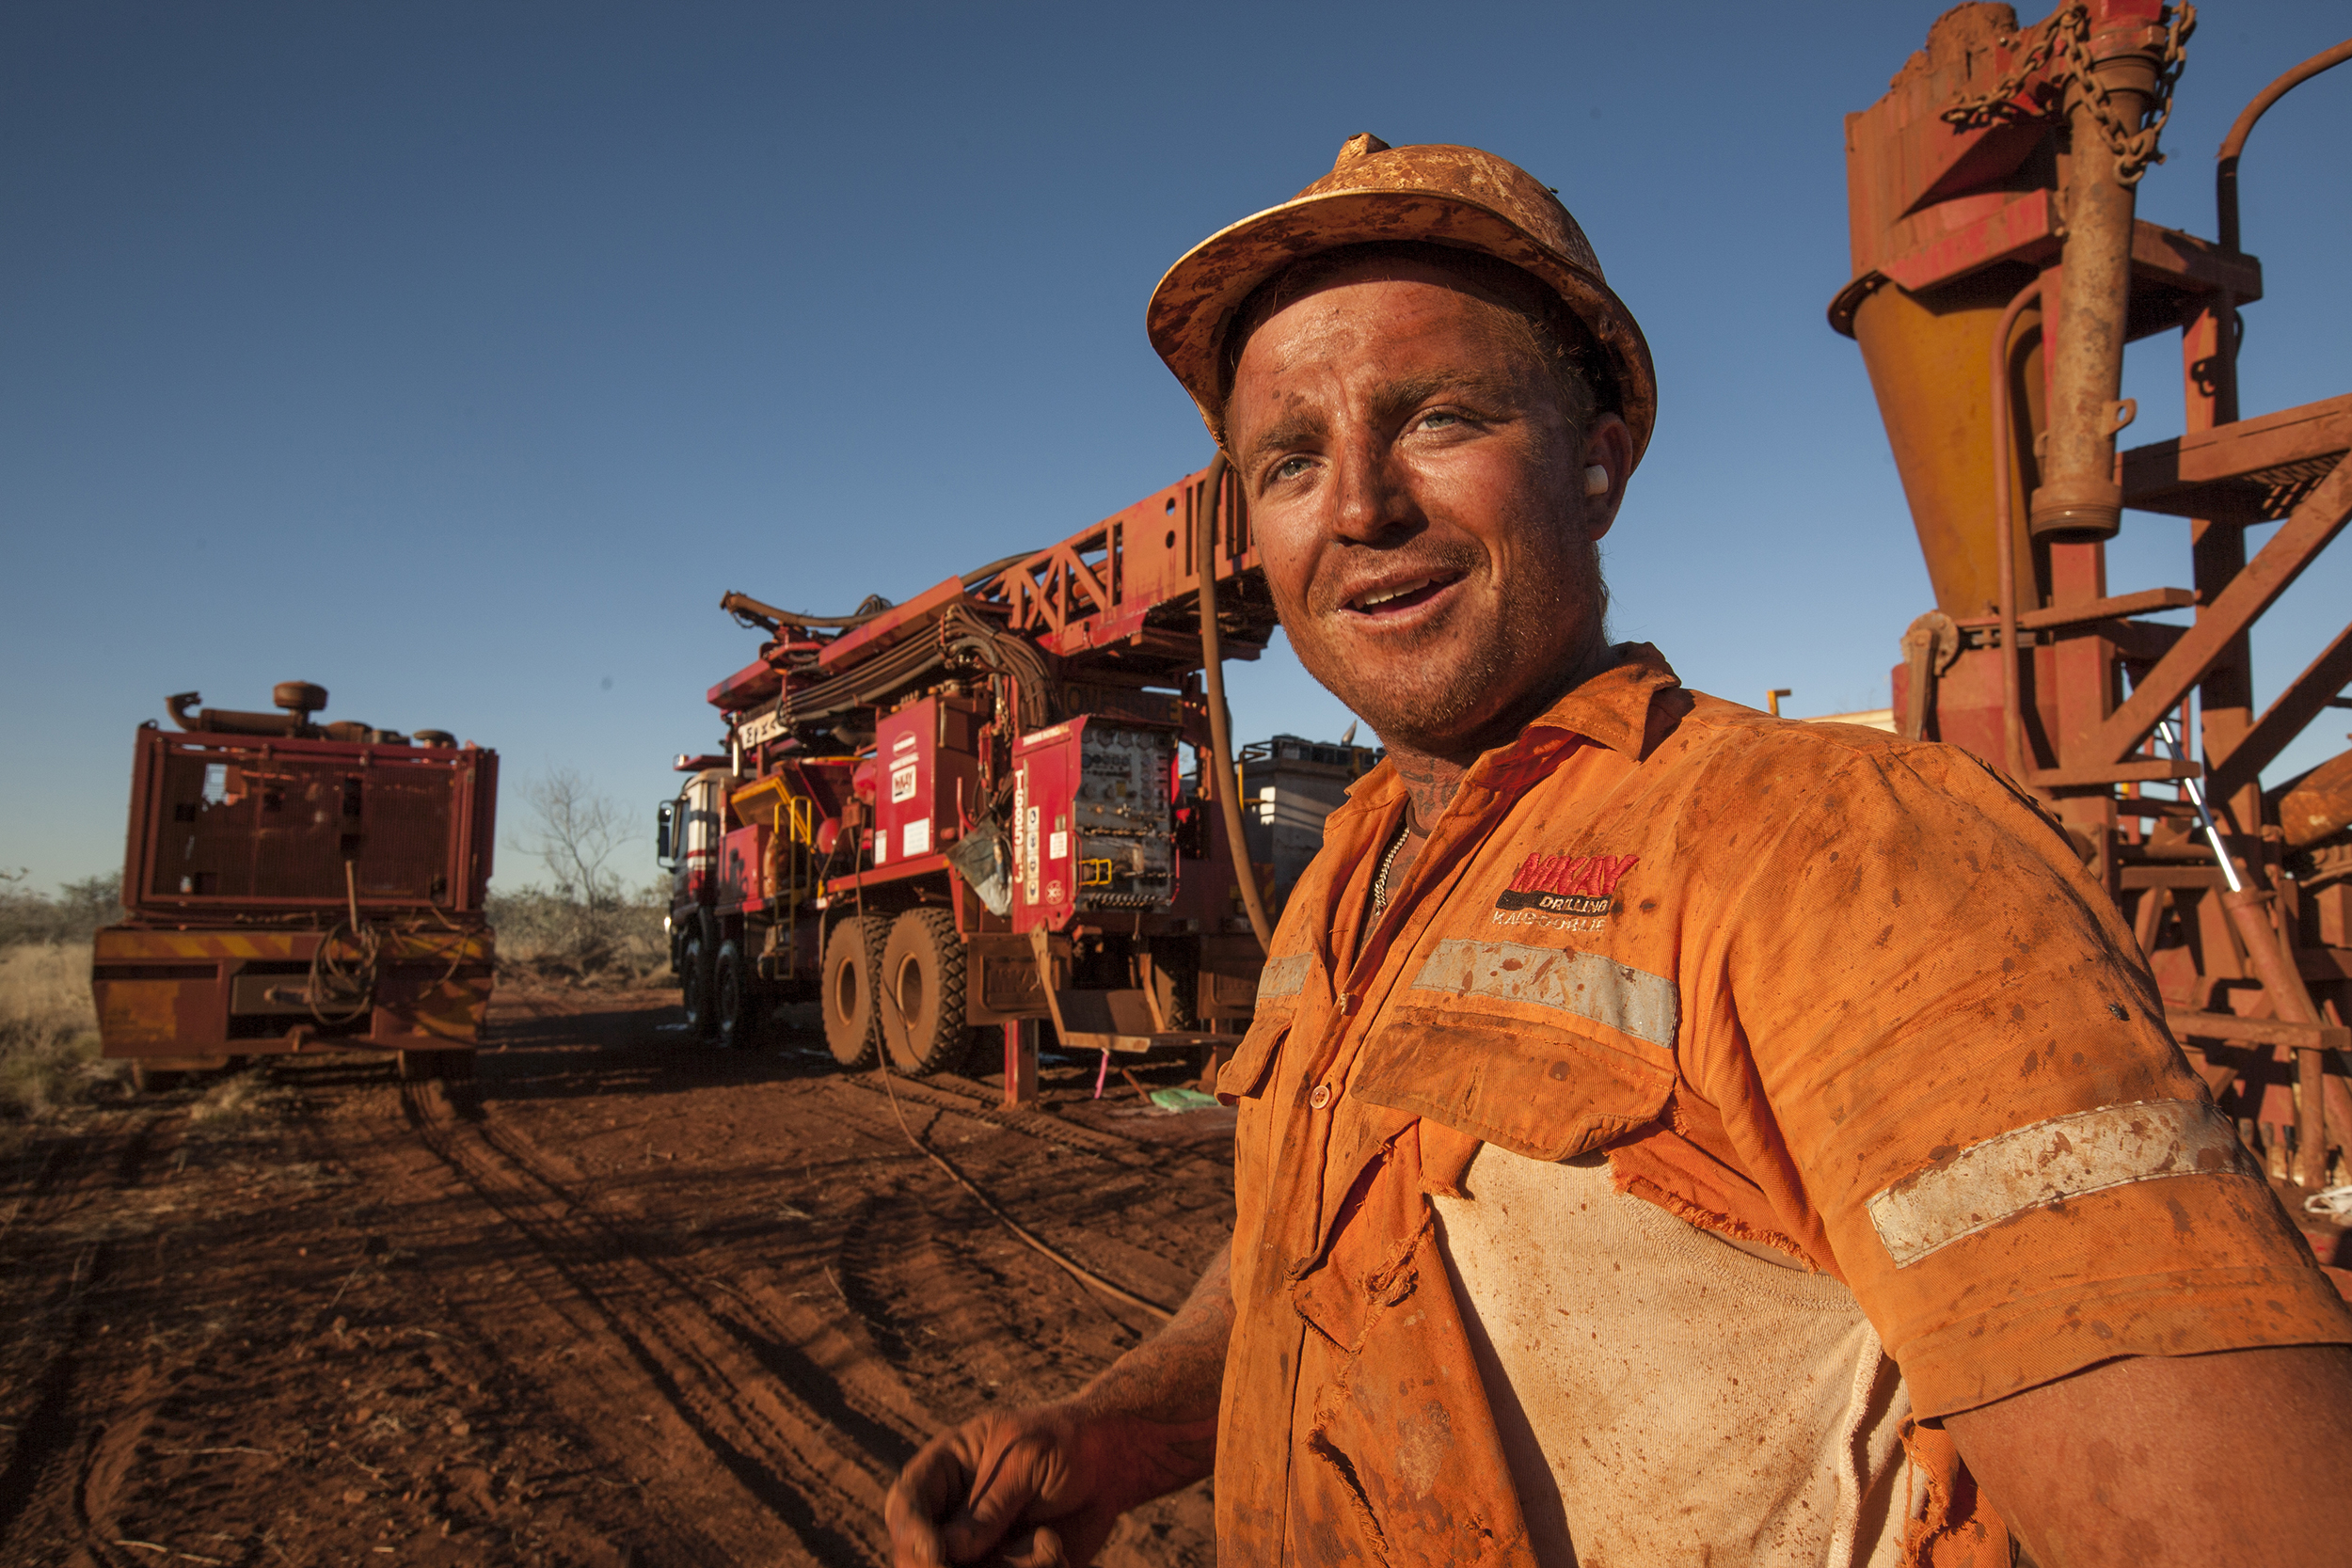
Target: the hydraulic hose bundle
pixel 1228 783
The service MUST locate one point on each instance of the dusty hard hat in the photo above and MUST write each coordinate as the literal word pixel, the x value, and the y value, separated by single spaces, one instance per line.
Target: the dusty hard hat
pixel 1449 196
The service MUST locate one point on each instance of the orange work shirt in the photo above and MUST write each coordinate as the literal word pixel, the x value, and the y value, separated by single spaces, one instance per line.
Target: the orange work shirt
pixel 1812 986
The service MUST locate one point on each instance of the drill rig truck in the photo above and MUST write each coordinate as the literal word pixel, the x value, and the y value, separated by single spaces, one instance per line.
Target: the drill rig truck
pixel 1999 268
pixel 969 812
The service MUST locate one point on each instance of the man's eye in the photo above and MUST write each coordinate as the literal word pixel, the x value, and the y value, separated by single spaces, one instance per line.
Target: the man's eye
pixel 1290 467
pixel 1437 418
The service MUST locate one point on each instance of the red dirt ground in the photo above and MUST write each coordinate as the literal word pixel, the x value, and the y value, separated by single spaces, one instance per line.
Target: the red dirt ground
pixel 621 1301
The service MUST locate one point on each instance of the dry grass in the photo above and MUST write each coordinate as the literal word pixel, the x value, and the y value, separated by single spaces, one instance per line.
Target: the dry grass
pixel 236 1103
pixel 49 1031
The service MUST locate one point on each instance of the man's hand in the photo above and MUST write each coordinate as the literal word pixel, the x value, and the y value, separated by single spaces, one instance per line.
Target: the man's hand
pixel 2155 1460
pixel 1035 1488
pixel 1042 1487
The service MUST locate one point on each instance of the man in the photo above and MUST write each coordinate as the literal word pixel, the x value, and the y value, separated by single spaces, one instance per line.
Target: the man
pixel 1667 1134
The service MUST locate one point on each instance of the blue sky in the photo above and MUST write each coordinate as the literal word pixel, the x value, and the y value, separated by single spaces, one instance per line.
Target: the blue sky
pixel 458 358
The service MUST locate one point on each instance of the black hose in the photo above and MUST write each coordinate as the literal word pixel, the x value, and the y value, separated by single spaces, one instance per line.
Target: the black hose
pixel 1226 787
pixel 744 608
pixel 342 988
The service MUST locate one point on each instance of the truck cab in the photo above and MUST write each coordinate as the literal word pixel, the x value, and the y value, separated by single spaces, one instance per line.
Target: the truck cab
pixel 689 830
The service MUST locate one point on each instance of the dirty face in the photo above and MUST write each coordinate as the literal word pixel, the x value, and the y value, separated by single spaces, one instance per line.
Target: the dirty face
pixel 1417 494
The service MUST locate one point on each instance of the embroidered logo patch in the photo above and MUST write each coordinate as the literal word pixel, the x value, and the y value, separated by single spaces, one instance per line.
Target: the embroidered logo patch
pixel 1570 891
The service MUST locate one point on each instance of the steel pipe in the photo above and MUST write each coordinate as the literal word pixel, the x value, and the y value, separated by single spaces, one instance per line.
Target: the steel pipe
pixel 2234 145
pixel 2078 498
pixel 2005 531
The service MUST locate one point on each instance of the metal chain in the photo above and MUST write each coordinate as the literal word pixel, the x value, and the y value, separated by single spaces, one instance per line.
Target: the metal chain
pixel 1381 880
pixel 2067 33
pixel 2134 150
pixel 1970 111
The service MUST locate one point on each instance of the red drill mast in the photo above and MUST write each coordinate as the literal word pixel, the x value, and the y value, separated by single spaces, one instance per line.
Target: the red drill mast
pixel 1999 270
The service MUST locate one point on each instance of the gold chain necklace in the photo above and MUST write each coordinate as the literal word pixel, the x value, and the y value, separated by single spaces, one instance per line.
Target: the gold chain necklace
pixel 1380 878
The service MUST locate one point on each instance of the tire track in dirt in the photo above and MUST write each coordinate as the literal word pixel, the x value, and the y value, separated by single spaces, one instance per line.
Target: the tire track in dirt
pixel 126 1476
pixel 968 1097
pixel 1089 1219
pixel 49 1322
pixel 756 1407
pixel 978 1320
pixel 799 1348
pixel 654 1308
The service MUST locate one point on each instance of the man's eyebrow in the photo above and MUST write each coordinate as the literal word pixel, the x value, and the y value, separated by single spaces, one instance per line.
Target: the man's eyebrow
pixel 1287 432
pixel 1402 396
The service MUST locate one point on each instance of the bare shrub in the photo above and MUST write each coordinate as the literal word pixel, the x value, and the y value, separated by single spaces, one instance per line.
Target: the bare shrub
pixel 590 927
pixel 49 1031
pixel 575 834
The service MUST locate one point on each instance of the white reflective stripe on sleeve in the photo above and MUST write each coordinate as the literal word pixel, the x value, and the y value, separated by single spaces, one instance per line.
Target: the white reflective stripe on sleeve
pixel 1284 976
pixel 2064 1157
pixel 1632 1001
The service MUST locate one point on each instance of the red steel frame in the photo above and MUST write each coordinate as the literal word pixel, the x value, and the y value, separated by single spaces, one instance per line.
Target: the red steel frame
pixel 472 827
pixel 2065 684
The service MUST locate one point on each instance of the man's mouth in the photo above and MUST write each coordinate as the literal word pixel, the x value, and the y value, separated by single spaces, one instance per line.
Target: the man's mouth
pixel 1392 598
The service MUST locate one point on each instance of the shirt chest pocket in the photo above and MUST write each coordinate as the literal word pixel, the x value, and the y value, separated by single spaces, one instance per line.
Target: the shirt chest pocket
pixel 1243 1074
pixel 1537 1089
pixel 1282 988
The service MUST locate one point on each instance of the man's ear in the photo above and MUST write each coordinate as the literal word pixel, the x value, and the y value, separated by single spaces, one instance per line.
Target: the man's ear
pixel 1609 448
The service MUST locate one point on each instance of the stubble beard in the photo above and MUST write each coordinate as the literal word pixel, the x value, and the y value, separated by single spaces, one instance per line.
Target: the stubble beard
pixel 1446 692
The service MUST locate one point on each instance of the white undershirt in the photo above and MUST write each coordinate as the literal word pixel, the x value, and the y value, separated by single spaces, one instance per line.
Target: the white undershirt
pixel 1664 1397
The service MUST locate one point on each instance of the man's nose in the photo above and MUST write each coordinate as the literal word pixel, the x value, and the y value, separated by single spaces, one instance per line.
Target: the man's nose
pixel 1370 497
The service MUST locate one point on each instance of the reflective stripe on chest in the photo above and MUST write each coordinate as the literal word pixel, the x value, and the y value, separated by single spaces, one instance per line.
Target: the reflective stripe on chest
pixel 1284 976
pixel 1583 985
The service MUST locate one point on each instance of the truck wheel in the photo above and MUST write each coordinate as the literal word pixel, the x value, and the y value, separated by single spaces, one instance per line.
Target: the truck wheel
pixel 734 1003
pixel 853 964
pixel 695 979
pixel 922 1002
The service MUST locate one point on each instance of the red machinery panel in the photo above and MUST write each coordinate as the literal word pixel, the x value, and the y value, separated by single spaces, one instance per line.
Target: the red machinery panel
pixel 927 772
pixel 227 822
pixel 1094 821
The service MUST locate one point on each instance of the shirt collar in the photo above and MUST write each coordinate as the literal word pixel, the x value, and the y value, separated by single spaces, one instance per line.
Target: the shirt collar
pixel 1610 709
pixel 1613 708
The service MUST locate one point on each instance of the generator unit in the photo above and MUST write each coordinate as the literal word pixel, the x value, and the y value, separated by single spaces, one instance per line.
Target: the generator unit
pixel 298 887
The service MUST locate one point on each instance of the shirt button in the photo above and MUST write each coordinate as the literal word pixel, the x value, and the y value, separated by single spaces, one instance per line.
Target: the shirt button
pixel 1321 1098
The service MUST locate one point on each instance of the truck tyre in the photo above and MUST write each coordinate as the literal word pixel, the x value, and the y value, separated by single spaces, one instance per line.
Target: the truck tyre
pixel 694 977
pixel 922 1002
pixel 853 965
pixel 735 1002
